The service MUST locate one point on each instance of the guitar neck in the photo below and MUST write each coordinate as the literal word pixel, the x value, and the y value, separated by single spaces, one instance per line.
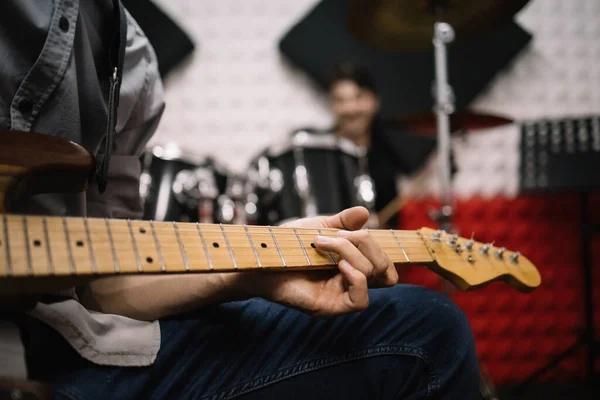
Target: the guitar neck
pixel 35 246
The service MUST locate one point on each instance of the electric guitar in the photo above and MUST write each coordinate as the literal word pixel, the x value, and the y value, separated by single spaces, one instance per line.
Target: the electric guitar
pixel 38 253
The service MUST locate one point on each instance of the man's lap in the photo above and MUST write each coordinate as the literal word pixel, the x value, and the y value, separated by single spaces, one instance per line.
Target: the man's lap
pixel 236 348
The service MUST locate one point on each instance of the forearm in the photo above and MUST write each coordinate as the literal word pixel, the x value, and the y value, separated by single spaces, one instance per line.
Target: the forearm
pixel 157 296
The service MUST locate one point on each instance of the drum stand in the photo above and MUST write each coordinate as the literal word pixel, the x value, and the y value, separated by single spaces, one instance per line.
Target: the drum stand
pixel 443 35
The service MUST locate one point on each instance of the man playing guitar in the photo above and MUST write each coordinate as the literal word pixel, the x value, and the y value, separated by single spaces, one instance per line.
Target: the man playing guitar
pixel 353 333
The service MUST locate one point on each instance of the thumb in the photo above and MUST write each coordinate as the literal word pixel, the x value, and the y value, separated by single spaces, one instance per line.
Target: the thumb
pixel 350 219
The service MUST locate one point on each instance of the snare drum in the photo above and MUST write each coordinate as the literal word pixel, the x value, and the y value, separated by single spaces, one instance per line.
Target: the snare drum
pixel 180 187
pixel 311 174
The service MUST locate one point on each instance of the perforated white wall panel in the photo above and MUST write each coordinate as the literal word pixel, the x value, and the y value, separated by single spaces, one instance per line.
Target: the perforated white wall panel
pixel 236 95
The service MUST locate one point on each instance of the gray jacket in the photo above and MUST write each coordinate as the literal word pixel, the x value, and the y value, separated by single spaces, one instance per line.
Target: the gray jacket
pixel 54 80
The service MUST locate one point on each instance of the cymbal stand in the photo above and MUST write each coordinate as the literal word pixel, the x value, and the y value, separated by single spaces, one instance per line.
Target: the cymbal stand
pixel 443 34
pixel 442 91
pixel 444 98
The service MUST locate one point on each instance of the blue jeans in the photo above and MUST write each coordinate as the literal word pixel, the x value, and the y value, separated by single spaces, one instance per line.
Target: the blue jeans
pixel 411 343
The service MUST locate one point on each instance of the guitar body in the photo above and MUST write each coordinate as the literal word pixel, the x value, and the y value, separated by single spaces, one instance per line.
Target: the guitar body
pixel 31 163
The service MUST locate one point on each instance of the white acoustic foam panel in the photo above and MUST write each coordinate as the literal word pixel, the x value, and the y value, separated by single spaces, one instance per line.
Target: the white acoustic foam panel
pixel 236 95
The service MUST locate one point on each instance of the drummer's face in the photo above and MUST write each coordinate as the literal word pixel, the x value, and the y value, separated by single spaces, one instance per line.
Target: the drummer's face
pixel 354 108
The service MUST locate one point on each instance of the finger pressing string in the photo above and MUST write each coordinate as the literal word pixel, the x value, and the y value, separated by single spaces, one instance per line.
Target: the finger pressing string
pixel 357 294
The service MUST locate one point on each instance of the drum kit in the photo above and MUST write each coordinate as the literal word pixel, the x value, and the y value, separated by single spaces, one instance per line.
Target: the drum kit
pixel 313 173
pixel 310 173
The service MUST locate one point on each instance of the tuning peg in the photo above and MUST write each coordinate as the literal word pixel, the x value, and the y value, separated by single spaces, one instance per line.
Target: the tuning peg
pixel 452 240
pixel 485 248
pixel 436 236
pixel 468 245
pixel 514 258
pixel 500 252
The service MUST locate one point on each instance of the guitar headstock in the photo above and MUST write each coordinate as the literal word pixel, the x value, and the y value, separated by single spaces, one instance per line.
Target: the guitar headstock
pixel 470 264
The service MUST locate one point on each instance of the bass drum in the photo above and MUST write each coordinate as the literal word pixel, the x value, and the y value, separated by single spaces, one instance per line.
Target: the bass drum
pixel 180 187
pixel 310 174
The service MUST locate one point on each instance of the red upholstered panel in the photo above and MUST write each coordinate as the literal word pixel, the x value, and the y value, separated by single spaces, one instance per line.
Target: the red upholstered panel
pixel 517 333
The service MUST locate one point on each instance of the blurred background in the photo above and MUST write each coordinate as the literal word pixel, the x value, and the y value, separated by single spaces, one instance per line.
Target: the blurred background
pixel 284 109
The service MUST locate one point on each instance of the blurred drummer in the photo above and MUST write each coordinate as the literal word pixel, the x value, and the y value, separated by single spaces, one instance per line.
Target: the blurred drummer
pixel 355 105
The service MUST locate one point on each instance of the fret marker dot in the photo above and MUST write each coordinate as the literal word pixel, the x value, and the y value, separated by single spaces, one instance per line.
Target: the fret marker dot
pixel 313 246
pixel 37 243
pixel 79 243
pixel 263 245
pixel 149 260
pixel 142 230
pixel 215 244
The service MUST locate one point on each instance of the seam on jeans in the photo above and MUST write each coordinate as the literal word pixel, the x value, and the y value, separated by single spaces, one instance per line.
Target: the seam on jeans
pixel 319 363
pixel 70 393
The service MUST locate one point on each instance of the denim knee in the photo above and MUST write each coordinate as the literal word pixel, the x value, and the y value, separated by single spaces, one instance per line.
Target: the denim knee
pixel 428 319
pixel 430 322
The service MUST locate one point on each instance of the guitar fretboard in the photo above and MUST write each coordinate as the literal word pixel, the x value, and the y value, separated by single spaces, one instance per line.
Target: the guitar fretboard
pixel 60 246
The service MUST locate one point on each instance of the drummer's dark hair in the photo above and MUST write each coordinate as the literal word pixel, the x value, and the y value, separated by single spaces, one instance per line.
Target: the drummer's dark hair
pixel 348 71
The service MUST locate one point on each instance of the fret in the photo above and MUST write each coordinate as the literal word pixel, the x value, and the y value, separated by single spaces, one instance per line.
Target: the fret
pixel 242 246
pixel 113 250
pixel 265 247
pixel 216 244
pixel 208 256
pixel 333 260
pixel 121 239
pixel 307 237
pixel 4 242
pixel 77 243
pixel 400 244
pixel 135 248
pixel 169 247
pixel 183 254
pixel 26 245
pixel 253 246
pixel 163 267
pixel 277 246
pixel 302 247
pixel 100 246
pixel 69 249
pixel 194 248
pixel 90 247
pixel 294 249
pixel 229 247
pixel 17 246
pixel 56 241
pixel 146 246
pixel 41 263
pixel 47 245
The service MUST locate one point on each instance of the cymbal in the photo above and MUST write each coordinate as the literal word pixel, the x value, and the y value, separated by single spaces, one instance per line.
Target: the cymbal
pixel 426 124
pixel 407 25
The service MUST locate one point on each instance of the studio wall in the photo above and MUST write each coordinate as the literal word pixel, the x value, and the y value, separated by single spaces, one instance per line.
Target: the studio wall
pixel 236 94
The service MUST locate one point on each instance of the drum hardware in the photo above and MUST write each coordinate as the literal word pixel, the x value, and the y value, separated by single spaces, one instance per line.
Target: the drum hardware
pixel 309 174
pixel 177 186
pixel 233 204
pixel 265 182
pixel 444 106
pixel 301 179
pixel 197 189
